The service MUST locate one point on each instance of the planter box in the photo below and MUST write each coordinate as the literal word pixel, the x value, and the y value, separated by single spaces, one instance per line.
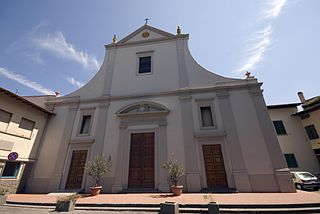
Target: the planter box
pixel 213 208
pixel 3 199
pixel 65 206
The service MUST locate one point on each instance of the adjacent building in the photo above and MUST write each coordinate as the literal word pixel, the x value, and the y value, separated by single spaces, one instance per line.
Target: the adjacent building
pixel 22 124
pixel 151 100
pixel 293 138
pixel 310 117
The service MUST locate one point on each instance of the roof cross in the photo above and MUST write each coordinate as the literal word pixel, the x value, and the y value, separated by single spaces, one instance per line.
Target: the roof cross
pixel 248 74
pixel 146 19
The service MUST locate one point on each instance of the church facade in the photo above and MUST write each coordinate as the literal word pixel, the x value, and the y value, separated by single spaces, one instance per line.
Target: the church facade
pixel 151 100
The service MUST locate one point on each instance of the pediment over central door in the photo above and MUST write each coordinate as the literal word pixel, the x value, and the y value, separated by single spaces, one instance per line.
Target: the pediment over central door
pixel 145 108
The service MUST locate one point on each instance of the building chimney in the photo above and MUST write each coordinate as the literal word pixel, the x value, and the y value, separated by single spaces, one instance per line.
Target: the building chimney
pixel 301 97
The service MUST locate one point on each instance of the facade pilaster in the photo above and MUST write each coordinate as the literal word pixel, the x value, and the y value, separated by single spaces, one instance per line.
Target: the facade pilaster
pixel 192 171
pixel 281 170
pixel 119 178
pixel 56 178
pixel 239 170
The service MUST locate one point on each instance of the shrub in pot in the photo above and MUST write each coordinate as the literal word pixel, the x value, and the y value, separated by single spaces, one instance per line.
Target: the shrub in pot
pixel 175 173
pixel 96 169
pixel 66 203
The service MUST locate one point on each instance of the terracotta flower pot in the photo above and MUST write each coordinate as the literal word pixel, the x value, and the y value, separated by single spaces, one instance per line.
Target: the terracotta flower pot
pixel 176 190
pixel 95 190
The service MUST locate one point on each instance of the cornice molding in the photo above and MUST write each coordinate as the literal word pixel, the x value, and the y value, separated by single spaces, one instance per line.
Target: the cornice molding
pixel 185 96
pixel 221 90
pixel 150 41
pixel 255 91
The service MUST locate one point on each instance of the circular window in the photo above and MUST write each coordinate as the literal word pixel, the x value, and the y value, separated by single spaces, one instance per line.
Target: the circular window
pixel 145 34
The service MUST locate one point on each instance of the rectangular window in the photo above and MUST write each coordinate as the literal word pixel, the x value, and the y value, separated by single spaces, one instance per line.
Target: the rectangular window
pixel 26 124
pixel 278 125
pixel 11 169
pixel 317 153
pixel 26 127
pixel 5 118
pixel 312 132
pixel 206 116
pixel 291 160
pixel 85 124
pixel 144 65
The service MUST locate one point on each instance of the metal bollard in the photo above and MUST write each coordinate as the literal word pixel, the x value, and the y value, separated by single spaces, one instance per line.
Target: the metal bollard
pixel 213 208
pixel 169 208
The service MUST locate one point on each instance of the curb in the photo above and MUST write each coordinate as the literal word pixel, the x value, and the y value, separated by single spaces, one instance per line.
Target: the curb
pixel 229 206
pixel 183 208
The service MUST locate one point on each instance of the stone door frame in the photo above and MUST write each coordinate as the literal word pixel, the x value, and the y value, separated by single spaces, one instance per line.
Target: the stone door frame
pixel 71 148
pixel 141 122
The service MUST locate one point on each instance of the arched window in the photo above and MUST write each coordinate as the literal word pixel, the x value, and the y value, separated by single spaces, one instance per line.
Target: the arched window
pixel 143 108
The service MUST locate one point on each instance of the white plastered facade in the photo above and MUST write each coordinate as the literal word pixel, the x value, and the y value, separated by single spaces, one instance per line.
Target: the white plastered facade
pixel 176 88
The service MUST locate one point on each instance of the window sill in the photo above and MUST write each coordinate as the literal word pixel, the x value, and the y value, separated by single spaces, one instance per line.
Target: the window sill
pixel 8 178
pixel 16 135
pixel 208 128
pixel 83 139
pixel 144 74
pixel 83 135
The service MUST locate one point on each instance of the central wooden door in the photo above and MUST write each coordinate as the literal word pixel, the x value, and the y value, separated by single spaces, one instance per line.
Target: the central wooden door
pixel 141 166
pixel 214 166
pixel 76 170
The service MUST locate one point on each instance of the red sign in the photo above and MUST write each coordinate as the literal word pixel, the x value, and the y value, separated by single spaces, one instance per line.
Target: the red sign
pixel 13 156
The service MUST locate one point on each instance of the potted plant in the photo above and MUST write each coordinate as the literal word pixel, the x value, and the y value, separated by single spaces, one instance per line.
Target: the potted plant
pixel 66 203
pixel 96 169
pixel 175 172
pixel 3 195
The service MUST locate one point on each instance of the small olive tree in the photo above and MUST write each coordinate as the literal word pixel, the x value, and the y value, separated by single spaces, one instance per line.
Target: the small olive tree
pixel 98 167
pixel 175 170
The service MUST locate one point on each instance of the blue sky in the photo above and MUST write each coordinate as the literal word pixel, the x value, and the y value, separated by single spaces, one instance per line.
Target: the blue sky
pixel 59 45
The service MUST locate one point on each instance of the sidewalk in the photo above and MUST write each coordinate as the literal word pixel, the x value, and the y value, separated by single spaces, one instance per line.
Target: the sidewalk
pixel 301 197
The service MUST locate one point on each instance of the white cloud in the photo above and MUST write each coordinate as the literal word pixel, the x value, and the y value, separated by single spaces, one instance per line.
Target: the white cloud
pixel 57 44
pixel 74 82
pixel 21 79
pixel 256 52
pixel 275 8
pixel 263 39
pixel 36 57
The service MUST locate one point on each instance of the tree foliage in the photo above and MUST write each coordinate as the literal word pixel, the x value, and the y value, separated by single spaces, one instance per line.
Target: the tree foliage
pixel 175 171
pixel 98 167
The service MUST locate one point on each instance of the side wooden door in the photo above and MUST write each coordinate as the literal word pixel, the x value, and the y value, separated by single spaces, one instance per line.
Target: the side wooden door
pixel 76 170
pixel 214 166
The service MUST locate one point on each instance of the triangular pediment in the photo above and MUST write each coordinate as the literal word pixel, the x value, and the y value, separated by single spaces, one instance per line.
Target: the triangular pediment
pixel 145 33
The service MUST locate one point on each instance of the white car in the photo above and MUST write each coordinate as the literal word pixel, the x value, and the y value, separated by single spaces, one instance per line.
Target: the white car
pixel 305 180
